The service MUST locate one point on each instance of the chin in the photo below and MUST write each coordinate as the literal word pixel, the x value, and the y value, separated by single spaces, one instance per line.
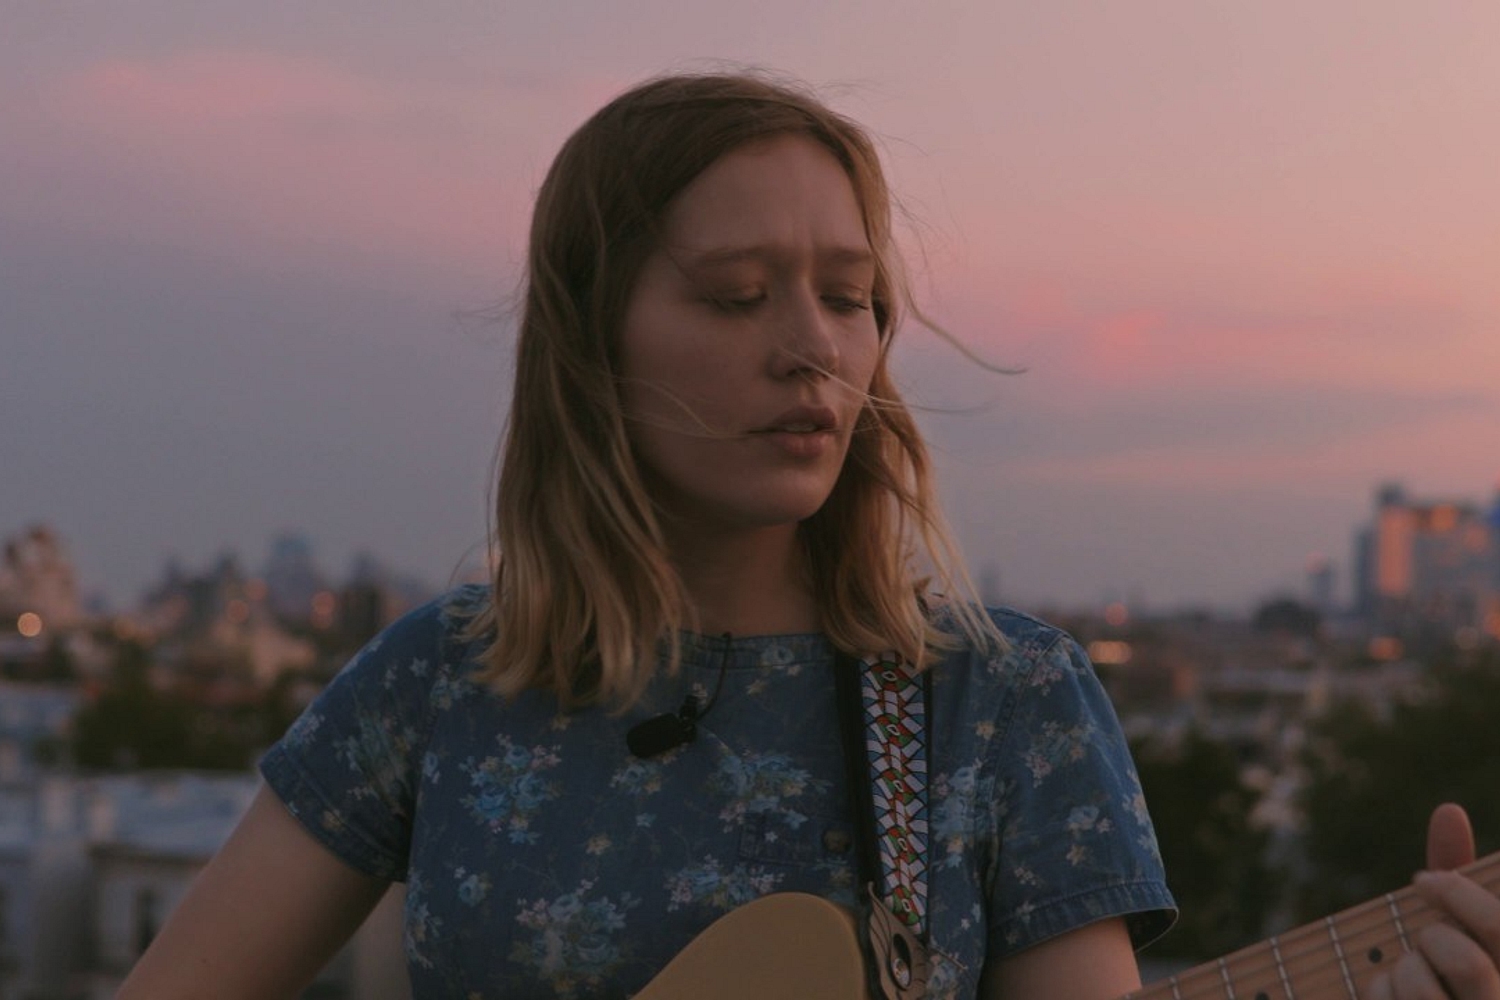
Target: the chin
pixel 773 512
pixel 753 502
pixel 796 513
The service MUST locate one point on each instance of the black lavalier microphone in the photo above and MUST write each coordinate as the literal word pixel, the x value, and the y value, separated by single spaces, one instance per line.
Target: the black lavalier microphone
pixel 661 733
pixel 665 732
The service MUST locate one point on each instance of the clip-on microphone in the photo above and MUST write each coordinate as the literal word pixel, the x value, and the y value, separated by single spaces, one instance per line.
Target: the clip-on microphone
pixel 665 732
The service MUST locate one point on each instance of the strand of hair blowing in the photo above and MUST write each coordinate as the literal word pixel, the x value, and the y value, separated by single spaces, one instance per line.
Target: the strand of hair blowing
pixel 863 542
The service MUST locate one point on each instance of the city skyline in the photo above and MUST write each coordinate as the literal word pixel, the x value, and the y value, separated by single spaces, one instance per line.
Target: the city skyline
pixel 257 259
pixel 1327 581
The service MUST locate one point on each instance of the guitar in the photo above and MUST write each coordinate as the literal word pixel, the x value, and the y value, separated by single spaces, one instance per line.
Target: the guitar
pixel 1330 959
pixel 791 945
pixel 783 946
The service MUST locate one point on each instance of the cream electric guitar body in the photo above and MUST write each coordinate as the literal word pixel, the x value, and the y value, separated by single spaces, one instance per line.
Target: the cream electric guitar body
pixel 794 945
pixel 783 946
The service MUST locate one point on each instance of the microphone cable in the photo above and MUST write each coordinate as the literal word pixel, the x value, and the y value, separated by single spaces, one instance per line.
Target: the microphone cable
pixel 666 732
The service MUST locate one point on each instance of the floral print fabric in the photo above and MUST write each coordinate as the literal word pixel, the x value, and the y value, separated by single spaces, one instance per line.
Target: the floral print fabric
pixel 543 860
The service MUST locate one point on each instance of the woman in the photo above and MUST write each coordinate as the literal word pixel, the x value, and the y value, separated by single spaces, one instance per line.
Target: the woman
pixel 709 486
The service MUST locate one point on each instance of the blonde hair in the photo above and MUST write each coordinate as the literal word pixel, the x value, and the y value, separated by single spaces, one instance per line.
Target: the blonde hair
pixel 585 600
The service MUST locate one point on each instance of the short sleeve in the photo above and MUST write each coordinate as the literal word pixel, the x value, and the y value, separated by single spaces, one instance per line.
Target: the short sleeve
pixel 1076 841
pixel 349 767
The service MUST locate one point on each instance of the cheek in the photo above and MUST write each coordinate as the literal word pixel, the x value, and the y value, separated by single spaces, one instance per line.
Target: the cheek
pixel 676 389
pixel 863 360
pixel 677 396
pixel 657 339
pixel 680 374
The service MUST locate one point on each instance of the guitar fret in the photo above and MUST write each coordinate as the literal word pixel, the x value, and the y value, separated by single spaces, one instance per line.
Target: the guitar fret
pixel 1286 982
pixel 1330 959
pixel 1338 950
pixel 1390 901
pixel 1224 975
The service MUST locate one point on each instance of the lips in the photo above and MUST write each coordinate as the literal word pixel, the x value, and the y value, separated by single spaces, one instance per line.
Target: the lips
pixel 802 420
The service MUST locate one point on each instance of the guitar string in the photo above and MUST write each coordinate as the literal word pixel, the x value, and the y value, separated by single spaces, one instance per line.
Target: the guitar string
pixel 1371 917
pixel 1350 924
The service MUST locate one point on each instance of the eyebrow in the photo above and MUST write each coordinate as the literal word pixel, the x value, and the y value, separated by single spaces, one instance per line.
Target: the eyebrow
pixel 722 256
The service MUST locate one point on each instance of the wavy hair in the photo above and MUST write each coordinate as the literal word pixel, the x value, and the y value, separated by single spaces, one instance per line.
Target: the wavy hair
pixel 585 599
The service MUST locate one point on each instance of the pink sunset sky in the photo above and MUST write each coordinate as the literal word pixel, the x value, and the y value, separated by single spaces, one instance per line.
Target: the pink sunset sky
pixel 1248 255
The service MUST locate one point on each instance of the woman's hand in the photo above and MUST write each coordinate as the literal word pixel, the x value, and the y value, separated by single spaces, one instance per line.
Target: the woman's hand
pixel 1458 957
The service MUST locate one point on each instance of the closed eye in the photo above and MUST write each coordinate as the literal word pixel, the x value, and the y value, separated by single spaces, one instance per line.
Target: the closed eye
pixel 736 304
pixel 846 303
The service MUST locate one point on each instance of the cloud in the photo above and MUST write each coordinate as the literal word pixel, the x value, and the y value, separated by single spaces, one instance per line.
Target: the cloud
pixel 1196 417
pixel 188 91
pixel 271 157
pixel 1388 335
pixel 288 99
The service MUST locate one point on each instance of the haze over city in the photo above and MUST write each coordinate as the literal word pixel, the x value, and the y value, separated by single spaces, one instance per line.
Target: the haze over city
pixel 255 259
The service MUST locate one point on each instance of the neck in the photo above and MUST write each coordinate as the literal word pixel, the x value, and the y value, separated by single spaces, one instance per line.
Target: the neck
pixel 745 583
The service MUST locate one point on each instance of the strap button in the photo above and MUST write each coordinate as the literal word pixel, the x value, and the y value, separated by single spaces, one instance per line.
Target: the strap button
pixel 900 971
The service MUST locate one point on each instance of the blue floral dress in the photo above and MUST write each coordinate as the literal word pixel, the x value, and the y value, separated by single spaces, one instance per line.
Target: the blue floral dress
pixel 543 860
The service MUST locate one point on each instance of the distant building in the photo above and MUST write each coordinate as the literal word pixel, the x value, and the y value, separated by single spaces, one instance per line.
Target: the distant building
pixel 92 866
pixel 38 584
pixel 1432 564
pixel 1321 579
pixel 190 603
pixel 219 622
pixel 14 887
pixel 292 578
pixel 372 598
pixel 248 635
pixel 35 724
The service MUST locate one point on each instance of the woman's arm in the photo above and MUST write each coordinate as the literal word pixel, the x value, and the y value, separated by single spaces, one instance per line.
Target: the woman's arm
pixel 1094 962
pixel 260 920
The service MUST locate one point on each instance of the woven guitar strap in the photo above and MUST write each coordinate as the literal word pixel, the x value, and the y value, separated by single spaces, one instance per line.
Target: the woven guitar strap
pixel 883 703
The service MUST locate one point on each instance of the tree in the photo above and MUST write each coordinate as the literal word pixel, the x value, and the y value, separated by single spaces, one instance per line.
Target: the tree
pixel 132 725
pixel 1374 777
pixel 57 663
pixel 1289 615
pixel 1214 855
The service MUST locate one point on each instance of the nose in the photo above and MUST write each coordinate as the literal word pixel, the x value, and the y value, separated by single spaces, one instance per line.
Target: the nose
pixel 806 345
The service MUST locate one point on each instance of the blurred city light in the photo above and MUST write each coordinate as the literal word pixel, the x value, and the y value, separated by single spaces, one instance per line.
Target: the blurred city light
pixel 1111 652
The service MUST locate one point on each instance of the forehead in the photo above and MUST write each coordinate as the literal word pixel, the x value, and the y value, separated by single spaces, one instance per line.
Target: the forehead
pixel 787 193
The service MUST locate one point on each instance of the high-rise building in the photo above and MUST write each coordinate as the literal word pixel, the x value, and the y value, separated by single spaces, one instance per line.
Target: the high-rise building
pixel 1429 563
pixel 1321 580
pixel 292 577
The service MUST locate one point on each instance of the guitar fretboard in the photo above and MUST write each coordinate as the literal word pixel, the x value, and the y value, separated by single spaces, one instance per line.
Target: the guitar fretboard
pixel 1331 959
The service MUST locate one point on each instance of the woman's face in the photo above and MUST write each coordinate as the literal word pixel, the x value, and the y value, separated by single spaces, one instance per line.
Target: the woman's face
pixel 749 343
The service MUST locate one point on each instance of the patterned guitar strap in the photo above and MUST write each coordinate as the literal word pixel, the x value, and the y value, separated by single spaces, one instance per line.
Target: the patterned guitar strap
pixel 883 703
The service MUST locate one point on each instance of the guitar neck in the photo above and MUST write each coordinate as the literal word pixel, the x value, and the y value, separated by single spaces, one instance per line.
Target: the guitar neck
pixel 1332 959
